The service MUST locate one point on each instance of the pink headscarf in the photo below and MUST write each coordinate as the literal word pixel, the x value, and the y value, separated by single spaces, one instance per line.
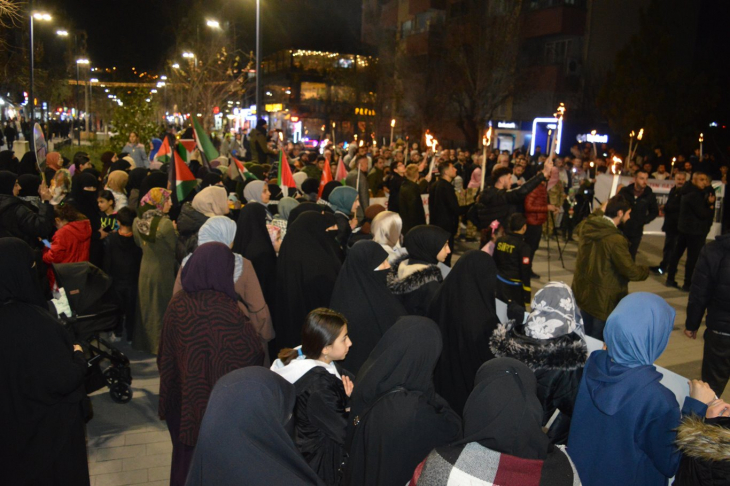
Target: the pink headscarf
pixel 554 178
pixel 53 160
pixel 476 179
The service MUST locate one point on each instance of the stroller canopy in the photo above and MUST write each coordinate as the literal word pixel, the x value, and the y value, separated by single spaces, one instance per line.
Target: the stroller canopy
pixel 84 284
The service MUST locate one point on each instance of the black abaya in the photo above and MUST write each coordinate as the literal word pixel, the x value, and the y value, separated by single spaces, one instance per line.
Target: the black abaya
pixel 86 203
pixel 243 437
pixel 464 309
pixel 253 242
pixel 306 207
pixel 41 381
pixel 362 296
pixel 306 272
pixel 397 427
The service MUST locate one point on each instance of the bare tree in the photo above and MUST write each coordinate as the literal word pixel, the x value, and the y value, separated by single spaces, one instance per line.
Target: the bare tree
pixel 10 13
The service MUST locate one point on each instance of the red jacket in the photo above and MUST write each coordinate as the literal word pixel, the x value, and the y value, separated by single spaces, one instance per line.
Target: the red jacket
pixel 70 245
pixel 536 206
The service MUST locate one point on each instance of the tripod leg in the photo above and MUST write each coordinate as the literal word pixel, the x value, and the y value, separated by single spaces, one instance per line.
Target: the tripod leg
pixel 557 240
pixel 548 254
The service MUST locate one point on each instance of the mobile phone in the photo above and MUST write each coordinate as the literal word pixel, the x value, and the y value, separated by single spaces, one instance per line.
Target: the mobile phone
pixel 47 243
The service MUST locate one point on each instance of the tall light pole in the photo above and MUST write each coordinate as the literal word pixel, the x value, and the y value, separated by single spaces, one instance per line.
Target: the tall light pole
pixel 259 108
pixel 78 62
pixel 31 98
pixel 88 101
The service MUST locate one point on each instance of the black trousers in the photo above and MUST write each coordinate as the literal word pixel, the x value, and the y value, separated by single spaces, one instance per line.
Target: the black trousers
pixel 128 298
pixel 532 238
pixel 693 244
pixel 716 361
pixel 634 242
pixel 670 242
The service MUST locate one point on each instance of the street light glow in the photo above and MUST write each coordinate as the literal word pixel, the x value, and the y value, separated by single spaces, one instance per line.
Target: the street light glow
pixel 82 61
pixel 164 78
pixel 214 24
pixel 62 33
pixel 161 84
pixel 42 16
pixel 93 80
pixel 188 55
pixel 176 66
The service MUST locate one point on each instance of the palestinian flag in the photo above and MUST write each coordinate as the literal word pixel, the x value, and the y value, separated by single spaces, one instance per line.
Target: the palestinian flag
pixel 186 147
pixel 285 177
pixel 181 180
pixel 245 173
pixel 164 154
pixel 205 146
pixel 326 177
pixel 341 171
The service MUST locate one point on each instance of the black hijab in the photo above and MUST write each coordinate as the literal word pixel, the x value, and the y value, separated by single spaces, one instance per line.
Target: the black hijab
pixel 29 184
pixel 253 242
pixel 243 436
pixel 424 242
pixel 464 308
pixel 306 207
pixel 328 188
pixel 18 279
pixel 136 176
pixel 194 166
pixel 210 179
pixel 503 412
pixel 306 272
pixel 28 164
pixel 154 179
pixel 276 193
pixel 120 164
pixel 7 182
pixel 8 161
pixel 83 200
pixel 397 428
pixel 362 296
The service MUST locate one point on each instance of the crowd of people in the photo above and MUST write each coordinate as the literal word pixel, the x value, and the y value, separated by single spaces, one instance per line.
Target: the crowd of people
pixel 306 336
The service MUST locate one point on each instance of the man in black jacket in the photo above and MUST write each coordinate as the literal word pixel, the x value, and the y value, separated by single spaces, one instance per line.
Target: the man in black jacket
pixel 495 201
pixel 394 183
pixel 443 204
pixel 709 292
pixel 696 213
pixel 410 205
pixel 644 209
pixel 671 221
pixel 512 258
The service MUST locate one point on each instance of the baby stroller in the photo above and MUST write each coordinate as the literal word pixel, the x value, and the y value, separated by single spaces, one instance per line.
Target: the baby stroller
pixel 94 308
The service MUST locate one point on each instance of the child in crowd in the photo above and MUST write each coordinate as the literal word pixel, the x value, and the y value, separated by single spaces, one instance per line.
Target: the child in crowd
pixel 108 214
pixel 122 260
pixel 512 257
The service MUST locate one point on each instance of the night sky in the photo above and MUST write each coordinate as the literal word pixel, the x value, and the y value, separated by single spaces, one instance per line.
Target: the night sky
pixel 141 33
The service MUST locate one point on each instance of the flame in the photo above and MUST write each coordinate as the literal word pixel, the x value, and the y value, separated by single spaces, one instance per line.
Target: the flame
pixel 429 139
pixel 334 124
pixel 356 136
pixel 593 132
pixel 640 135
pixel 702 138
pixel 615 160
pixel 632 134
pixel 281 136
pixel 592 164
pixel 360 144
pixel 489 136
pixel 392 122
pixel 561 111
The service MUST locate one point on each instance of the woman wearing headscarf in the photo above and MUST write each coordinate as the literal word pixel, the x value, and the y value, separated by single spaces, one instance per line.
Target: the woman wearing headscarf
pixel 327 192
pixel 396 417
pixel 84 192
pixel 281 219
pixel 254 243
pixel 245 436
pixel 344 201
pixel 117 183
pixel 60 186
pixel 222 229
pixel 28 165
pixel 153 179
pixel 299 178
pixel 136 176
pixel 9 162
pixel 155 234
pixel 416 277
pixel 503 440
pixel 107 159
pixel 362 296
pixel 204 336
pixel 211 179
pixel 464 309
pixel 53 164
pixel 21 219
pixel 258 192
pixel 211 201
pixel 310 188
pixel 306 272
pixel 623 408
pixel 122 165
pixel 551 344
pixel 305 207
pixel 320 417
pixel 42 381
pixel 29 185
pixel 386 231
pixel 155 145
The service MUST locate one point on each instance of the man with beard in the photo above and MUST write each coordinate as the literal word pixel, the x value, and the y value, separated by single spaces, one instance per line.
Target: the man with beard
pixel 644 209
pixel 671 222
pixel 603 266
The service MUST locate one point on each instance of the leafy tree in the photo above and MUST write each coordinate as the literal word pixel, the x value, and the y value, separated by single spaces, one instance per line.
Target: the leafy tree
pixel 654 86
pixel 134 115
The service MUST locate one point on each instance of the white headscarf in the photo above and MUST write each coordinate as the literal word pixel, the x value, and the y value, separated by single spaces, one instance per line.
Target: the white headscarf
pixel 554 313
pixel 253 190
pixel 220 229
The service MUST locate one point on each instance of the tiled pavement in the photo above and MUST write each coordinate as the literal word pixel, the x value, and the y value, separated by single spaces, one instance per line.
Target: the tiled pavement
pixel 128 444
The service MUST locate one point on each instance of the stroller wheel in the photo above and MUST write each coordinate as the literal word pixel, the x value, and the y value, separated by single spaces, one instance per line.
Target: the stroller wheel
pixel 120 392
pixel 112 375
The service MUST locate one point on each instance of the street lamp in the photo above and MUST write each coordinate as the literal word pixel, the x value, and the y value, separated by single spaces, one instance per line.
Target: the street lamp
pixel 44 17
pixel 259 112
pixel 190 55
pixel 176 66
pixel 213 24
pixel 62 33
pixel 78 63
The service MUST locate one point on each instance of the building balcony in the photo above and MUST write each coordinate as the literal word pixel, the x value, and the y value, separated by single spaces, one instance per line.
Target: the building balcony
pixel 554 21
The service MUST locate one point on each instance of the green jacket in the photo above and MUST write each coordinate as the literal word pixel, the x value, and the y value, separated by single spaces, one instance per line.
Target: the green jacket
pixel 603 267
pixel 259 148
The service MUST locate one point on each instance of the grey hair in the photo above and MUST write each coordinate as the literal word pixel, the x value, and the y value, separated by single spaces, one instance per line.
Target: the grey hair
pixel 386 228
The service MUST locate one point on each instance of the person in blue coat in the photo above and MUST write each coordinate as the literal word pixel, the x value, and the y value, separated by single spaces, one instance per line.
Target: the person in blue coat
pixel 624 422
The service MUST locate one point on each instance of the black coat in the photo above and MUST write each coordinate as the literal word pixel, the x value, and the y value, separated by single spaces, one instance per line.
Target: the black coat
pixel 188 224
pixel 415 283
pixel 444 206
pixel 321 422
pixel 695 212
pixel 705 452
pixel 558 366
pixel 671 210
pixel 22 220
pixel 410 206
pixel 711 287
pixel 394 185
pixel 644 209
pixel 495 203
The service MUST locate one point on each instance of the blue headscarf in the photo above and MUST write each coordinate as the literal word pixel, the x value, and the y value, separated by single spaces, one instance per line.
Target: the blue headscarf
pixel 156 144
pixel 638 329
pixel 343 198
